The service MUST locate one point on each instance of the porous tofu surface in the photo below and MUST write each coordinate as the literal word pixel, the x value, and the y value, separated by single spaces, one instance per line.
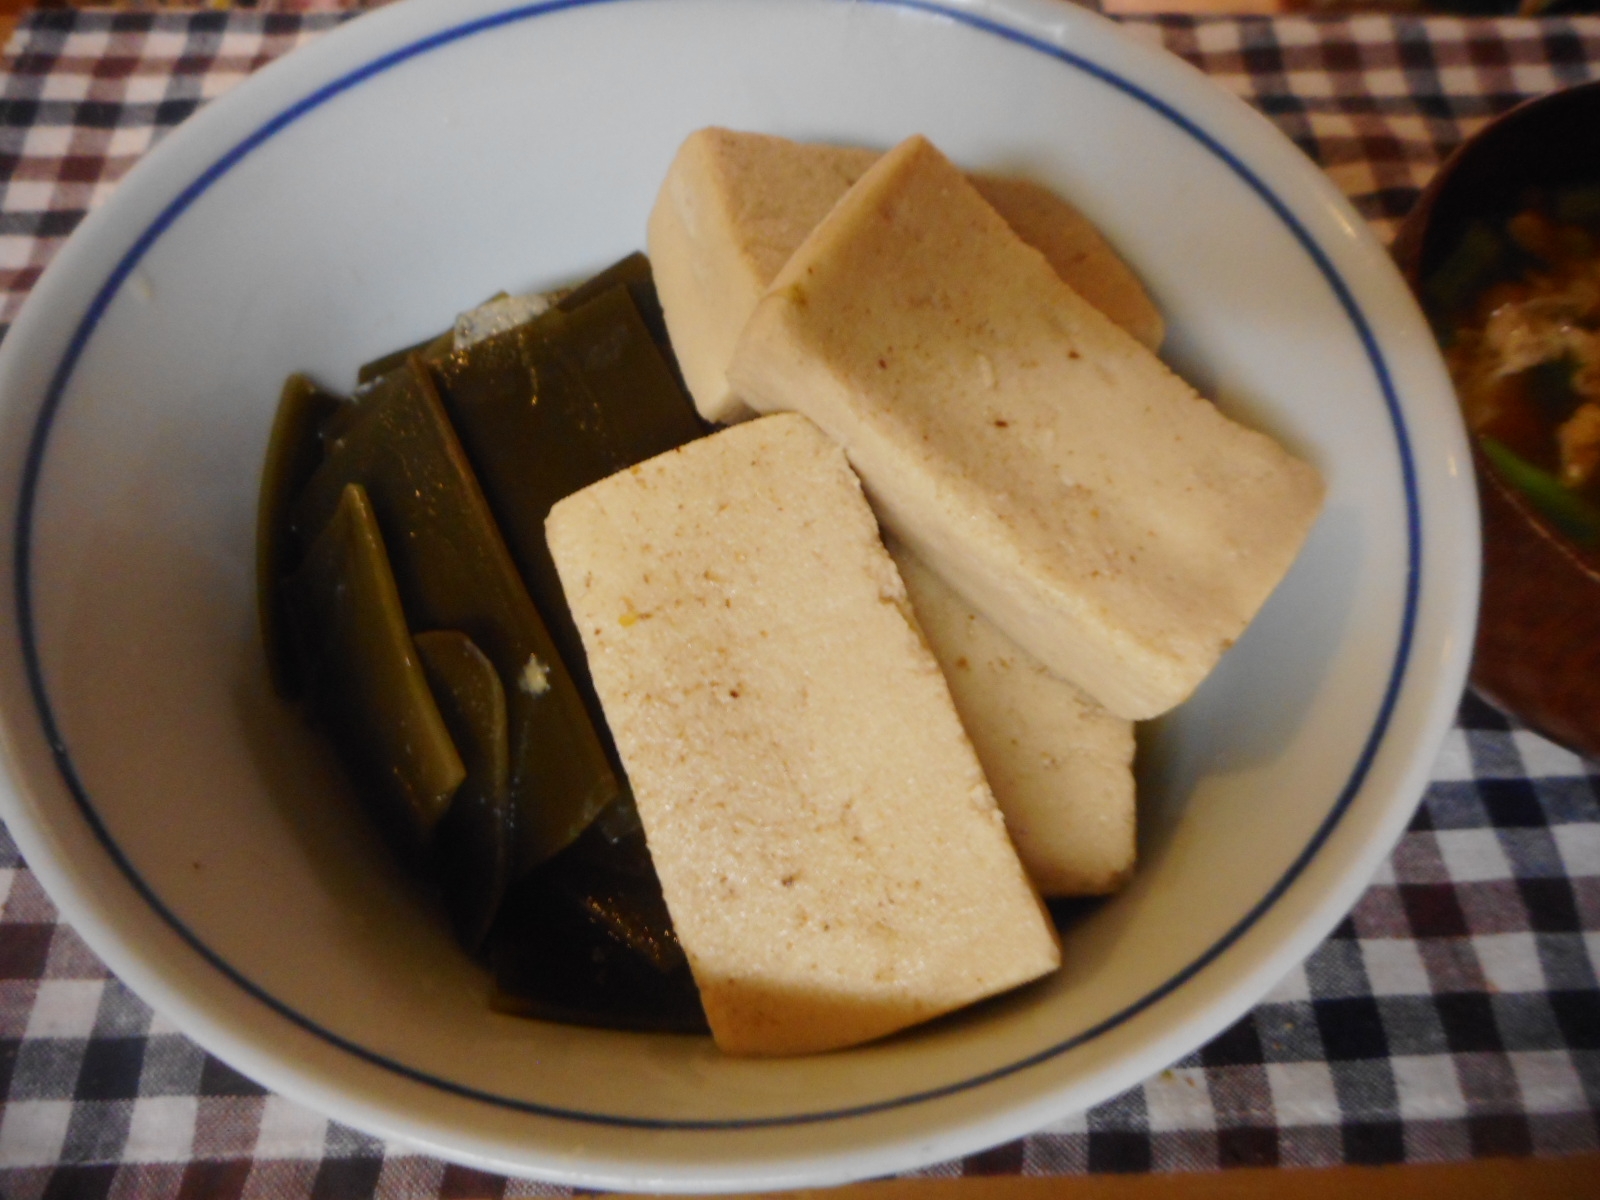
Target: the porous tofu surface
pixel 734 206
pixel 831 855
pixel 1060 766
pixel 731 210
pixel 1076 250
pixel 1041 460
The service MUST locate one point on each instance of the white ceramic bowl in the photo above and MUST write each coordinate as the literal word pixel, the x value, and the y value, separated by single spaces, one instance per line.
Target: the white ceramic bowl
pixel 350 199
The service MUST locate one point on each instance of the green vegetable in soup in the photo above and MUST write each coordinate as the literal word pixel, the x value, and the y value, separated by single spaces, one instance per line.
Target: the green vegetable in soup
pixel 1517 307
pixel 1481 256
pixel 1578 205
pixel 1568 511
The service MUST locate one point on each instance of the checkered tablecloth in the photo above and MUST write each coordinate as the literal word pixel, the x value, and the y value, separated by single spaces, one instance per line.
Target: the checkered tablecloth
pixel 1455 1014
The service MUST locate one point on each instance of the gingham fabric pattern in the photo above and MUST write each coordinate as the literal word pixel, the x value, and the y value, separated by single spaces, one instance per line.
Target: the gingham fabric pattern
pixel 1455 1014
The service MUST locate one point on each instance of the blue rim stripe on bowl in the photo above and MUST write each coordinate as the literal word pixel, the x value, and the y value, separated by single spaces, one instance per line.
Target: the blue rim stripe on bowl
pixel 85 330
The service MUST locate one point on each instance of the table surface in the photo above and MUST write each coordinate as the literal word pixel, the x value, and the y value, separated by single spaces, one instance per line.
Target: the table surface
pixel 1454 1016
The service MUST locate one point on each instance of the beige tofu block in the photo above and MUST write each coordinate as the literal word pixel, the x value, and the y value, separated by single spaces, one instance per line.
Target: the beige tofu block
pixel 1077 251
pixel 734 206
pixel 831 855
pixel 1060 766
pixel 1046 464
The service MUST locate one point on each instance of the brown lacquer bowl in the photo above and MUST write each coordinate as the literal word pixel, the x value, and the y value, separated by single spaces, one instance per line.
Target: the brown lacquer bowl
pixel 1538 648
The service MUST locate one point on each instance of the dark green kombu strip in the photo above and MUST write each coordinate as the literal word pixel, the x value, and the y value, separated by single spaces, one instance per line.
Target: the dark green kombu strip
pixel 473 842
pixel 364 679
pixel 552 406
pixel 294 449
pixel 587 940
pixel 458 456
pixel 452 571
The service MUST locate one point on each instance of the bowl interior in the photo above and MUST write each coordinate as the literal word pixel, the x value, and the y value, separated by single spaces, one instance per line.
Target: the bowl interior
pixel 196 831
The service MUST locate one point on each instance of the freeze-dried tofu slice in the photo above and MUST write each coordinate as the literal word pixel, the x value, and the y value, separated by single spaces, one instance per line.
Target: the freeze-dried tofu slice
pixel 1047 465
pixel 734 206
pixel 831 855
pixel 1060 766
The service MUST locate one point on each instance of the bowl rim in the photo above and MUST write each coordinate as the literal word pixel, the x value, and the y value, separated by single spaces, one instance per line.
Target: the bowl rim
pixel 1008 19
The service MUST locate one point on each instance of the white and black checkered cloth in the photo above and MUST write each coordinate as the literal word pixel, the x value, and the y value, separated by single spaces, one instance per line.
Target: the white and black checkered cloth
pixel 1455 1014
